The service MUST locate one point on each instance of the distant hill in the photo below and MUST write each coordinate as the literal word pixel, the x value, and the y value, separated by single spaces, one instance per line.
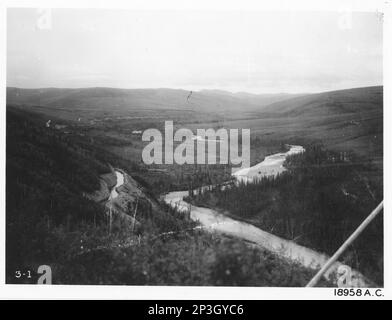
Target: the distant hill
pixel 350 119
pixel 260 100
pixel 367 99
pixel 344 120
pixel 113 99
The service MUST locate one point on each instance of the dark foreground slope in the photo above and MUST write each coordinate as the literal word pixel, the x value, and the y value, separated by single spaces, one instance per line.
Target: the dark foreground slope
pixel 46 175
pixel 49 221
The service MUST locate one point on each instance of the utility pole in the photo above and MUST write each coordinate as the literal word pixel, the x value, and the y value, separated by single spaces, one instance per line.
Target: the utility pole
pixel 134 216
pixel 110 219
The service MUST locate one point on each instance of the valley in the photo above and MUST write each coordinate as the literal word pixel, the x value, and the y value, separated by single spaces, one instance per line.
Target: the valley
pixel 117 205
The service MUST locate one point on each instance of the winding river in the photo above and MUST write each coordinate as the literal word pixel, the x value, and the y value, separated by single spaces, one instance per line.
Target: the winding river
pixel 120 182
pixel 217 222
pixel 270 166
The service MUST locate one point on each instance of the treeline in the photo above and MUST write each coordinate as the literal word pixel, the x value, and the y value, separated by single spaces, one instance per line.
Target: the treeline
pixel 318 202
pixel 161 179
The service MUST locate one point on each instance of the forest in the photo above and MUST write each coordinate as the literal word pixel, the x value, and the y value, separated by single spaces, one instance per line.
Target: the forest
pixel 318 202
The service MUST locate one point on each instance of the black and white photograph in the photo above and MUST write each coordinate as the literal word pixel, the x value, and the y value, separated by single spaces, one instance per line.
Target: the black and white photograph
pixel 194 148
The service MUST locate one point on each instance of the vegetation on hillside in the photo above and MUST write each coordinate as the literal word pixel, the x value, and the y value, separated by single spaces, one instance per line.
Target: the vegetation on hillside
pixel 49 221
pixel 318 202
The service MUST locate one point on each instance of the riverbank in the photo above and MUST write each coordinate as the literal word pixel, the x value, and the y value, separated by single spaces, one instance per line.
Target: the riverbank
pixel 217 222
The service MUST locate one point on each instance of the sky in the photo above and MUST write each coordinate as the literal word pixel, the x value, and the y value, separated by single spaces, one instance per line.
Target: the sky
pixel 257 52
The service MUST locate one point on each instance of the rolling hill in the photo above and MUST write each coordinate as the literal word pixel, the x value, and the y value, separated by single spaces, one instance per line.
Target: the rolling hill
pixel 357 100
pixel 343 120
pixel 112 99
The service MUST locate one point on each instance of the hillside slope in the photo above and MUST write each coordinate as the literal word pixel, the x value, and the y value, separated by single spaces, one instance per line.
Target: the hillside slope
pixel 46 176
pixel 344 121
pixel 357 100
